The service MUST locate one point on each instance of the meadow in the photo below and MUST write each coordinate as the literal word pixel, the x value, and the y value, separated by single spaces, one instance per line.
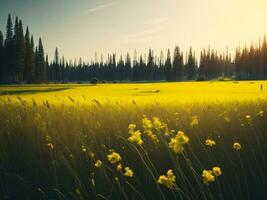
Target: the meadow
pixel 191 140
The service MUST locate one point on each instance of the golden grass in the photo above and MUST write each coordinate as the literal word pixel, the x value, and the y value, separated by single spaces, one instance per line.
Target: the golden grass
pixel 140 93
pixel 51 149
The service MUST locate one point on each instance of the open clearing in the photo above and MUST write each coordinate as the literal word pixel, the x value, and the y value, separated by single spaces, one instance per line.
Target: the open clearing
pixel 192 140
pixel 140 93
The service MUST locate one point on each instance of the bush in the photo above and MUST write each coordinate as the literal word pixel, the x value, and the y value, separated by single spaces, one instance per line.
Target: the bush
pixel 201 78
pixel 94 81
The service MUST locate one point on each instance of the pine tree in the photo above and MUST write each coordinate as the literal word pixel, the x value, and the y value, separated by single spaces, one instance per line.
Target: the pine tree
pixel 37 66
pixel 168 67
pixel 19 50
pixel 264 57
pixel 41 60
pixel 150 65
pixel 32 63
pixel 191 66
pixel 178 65
pixel 56 65
pixel 29 64
pixel 2 72
pixel 9 63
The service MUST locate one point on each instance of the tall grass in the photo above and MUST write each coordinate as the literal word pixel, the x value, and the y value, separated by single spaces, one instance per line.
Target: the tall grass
pixel 49 151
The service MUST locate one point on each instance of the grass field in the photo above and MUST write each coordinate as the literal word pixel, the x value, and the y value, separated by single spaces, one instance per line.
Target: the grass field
pixel 192 140
pixel 143 93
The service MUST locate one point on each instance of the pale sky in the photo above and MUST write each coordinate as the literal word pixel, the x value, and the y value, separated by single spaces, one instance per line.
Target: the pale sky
pixel 82 27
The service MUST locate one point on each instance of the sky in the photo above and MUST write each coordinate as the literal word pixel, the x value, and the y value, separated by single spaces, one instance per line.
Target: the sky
pixel 82 28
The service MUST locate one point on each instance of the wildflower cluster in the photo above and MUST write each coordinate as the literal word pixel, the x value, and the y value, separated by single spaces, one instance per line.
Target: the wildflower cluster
pixel 194 121
pixel 209 175
pixel 237 146
pixel 128 172
pixel 157 124
pixel 260 113
pixel 135 135
pixel 84 148
pixel 98 163
pixel 119 167
pixel 114 157
pixel 148 126
pixel 248 119
pixel 169 180
pixel 160 126
pixel 176 143
pixel 50 146
pixel 210 142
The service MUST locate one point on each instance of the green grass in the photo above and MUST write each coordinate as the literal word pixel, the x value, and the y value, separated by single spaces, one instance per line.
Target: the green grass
pixel 30 169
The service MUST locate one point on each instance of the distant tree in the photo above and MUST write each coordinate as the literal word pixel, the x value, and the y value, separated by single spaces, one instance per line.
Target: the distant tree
pixel 127 67
pixel 47 67
pixel 178 65
pixel 9 61
pixel 29 58
pixel 191 66
pixel 150 65
pixel 56 66
pixel 94 81
pixel 142 67
pixel 161 66
pixel 2 71
pixel 264 56
pixel 37 66
pixel 41 61
pixel 168 67
pixel 135 69
pixel 19 50
pixel 32 60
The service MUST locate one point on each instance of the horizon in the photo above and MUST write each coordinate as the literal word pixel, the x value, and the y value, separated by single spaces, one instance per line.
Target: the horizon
pixel 81 29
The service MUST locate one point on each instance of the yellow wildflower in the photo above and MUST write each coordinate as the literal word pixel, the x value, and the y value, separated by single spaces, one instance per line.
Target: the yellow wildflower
pixel 131 127
pixel 183 139
pixel 91 154
pixel 207 176
pixel 210 142
pixel 152 136
pixel 176 144
pixel 217 171
pixel 84 149
pixel 48 138
pixel 168 180
pixel 50 146
pixel 194 121
pixel 114 157
pixel 119 167
pixel 157 124
pixel 128 172
pixel 147 125
pixel 98 163
pixel 136 137
pixel 248 118
pixel 169 132
pixel 237 146
pixel 261 113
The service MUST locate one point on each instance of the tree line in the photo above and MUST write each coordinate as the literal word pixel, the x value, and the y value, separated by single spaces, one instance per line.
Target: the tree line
pixel 22 61
pixel 251 63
